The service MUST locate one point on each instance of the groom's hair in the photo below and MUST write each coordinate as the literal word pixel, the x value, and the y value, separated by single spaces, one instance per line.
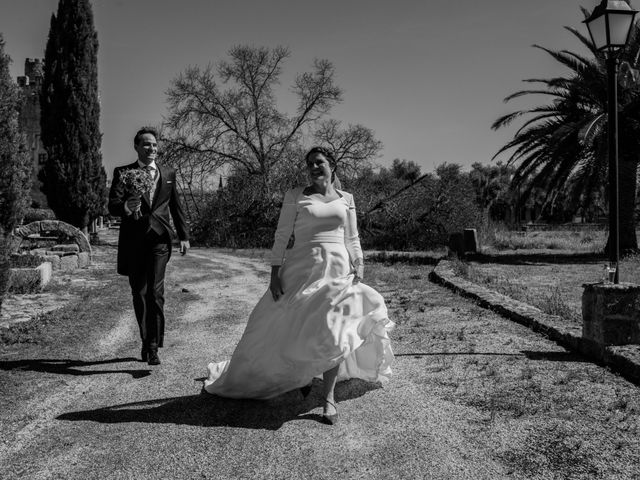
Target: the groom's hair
pixel 142 131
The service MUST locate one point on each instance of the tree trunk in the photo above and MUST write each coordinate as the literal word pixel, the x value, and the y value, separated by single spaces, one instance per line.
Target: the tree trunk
pixel 627 180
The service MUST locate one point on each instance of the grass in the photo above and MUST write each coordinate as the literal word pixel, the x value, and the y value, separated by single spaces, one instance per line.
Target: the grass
pixel 499 239
pixel 555 288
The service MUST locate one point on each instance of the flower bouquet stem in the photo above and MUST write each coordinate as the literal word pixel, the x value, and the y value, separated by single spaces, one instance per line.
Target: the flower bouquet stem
pixel 137 214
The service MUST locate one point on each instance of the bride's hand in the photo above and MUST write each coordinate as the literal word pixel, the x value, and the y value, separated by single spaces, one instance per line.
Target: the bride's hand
pixel 358 273
pixel 358 270
pixel 275 285
pixel 276 289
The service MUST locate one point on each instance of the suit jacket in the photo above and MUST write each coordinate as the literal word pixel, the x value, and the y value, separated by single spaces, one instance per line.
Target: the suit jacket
pixel 154 214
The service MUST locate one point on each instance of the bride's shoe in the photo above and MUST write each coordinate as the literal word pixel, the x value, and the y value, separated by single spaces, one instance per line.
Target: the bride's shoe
pixel 305 391
pixel 330 419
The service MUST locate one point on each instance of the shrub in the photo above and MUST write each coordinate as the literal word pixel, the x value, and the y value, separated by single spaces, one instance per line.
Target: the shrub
pixel 15 165
pixel 25 260
pixel 38 214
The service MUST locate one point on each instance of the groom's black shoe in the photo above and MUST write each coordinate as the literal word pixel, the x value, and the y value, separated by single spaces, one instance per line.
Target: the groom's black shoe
pixel 153 358
pixel 144 354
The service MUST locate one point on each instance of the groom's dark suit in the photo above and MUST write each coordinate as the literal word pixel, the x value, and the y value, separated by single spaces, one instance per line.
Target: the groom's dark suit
pixel 144 247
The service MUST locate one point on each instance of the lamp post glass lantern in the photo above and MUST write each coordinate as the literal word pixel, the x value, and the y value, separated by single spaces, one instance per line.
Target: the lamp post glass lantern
pixel 609 27
pixel 609 24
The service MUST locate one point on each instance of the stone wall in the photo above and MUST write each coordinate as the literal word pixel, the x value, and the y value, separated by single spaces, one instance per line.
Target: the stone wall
pixel 32 267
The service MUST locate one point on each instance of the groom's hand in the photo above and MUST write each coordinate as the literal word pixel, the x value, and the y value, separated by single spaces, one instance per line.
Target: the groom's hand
pixel 184 246
pixel 132 204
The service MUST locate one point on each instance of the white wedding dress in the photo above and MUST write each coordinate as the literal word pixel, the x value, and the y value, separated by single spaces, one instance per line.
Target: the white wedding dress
pixel 322 319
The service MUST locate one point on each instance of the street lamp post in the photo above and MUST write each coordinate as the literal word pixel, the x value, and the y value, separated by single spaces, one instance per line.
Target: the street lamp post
pixel 609 26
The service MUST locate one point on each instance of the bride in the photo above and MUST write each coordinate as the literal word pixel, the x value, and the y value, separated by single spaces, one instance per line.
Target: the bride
pixel 317 318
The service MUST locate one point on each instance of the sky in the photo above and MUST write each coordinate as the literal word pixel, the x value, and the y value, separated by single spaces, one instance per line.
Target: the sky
pixel 429 78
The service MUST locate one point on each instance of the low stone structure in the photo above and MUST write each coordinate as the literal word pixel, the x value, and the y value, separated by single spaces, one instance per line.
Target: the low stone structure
pixel 46 227
pixel 45 235
pixel 29 280
pixel 610 315
pixel 463 243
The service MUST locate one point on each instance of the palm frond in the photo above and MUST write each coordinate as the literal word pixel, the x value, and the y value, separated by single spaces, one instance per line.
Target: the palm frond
pixel 586 41
pixel 562 57
pixel 530 92
pixel 591 129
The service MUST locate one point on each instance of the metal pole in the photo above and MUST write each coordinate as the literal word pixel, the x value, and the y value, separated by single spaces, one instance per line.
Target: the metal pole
pixel 614 219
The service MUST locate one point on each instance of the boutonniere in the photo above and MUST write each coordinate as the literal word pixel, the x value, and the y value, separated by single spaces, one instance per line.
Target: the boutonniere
pixel 169 181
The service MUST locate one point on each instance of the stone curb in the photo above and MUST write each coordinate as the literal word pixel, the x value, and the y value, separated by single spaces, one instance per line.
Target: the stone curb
pixel 623 359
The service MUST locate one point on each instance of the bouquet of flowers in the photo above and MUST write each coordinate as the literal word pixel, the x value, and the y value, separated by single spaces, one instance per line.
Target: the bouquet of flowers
pixel 136 182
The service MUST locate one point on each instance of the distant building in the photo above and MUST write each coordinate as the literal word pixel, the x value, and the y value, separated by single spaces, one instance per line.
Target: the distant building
pixel 31 84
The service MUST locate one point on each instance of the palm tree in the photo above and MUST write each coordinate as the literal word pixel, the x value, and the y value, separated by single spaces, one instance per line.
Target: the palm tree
pixel 562 147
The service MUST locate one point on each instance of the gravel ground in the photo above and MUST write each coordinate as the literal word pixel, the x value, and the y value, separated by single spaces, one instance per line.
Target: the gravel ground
pixel 473 395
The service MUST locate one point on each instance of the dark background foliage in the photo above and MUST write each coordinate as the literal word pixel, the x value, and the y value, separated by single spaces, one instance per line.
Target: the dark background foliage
pixel 15 166
pixel 73 176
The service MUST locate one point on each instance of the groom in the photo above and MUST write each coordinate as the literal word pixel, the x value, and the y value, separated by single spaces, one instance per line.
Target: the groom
pixel 144 243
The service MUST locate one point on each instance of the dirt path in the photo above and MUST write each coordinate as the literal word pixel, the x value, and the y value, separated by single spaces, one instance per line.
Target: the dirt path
pixel 473 396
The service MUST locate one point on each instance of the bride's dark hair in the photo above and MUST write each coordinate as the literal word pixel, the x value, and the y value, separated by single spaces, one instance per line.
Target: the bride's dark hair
pixel 332 161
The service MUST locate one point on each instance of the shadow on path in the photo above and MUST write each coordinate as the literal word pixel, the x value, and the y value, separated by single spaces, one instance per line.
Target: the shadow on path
pixel 206 410
pixel 566 356
pixel 71 367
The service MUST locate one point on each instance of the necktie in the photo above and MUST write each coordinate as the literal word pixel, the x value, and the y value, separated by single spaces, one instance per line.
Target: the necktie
pixel 153 174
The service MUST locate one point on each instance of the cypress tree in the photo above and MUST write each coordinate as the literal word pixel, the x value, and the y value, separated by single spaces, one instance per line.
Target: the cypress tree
pixel 15 165
pixel 73 176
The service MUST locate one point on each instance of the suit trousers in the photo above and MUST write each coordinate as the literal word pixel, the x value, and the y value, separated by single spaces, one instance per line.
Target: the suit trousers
pixel 146 278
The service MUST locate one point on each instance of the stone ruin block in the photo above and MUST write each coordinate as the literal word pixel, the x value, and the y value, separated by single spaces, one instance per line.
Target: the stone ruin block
pixel 59 253
pixel 68 247
pixel 456 244
pixel 84 259
pixel 611 314
pixel 32 260
pixel 68 262
pixel 29 280
pixel 54 260
pixel 470 236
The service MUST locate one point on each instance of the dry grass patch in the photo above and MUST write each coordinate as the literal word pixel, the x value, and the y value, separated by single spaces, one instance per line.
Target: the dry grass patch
pixel 497 238
pixel 555 288
pixel 538 410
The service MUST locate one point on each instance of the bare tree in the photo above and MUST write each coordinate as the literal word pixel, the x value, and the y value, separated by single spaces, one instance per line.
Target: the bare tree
pixel 197 173
pixel 240 126
pixel 353 147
